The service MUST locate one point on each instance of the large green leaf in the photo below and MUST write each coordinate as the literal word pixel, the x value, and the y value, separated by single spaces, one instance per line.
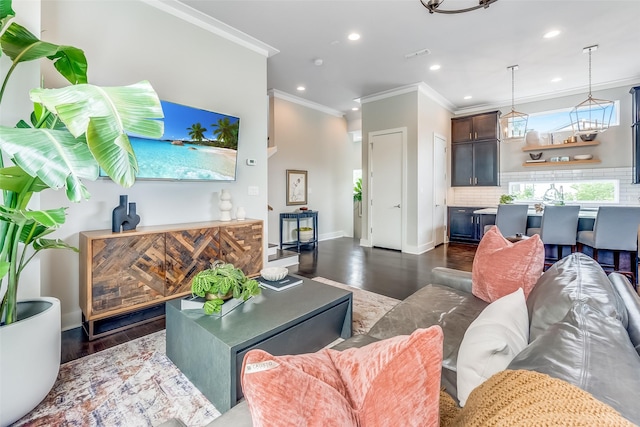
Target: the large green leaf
pixel 55 156
pixel 15 179
pixel 51 218
pixel 5 9
pixel 4 268
pixel 53 244
pixel 6 14
pixel 105 116
pixel 20 45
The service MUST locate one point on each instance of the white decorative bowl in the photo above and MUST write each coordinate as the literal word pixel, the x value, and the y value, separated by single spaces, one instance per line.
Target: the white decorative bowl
pixel 583 157
pixel 274 273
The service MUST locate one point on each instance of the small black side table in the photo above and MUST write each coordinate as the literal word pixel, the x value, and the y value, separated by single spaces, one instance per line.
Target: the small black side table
pixel 297 216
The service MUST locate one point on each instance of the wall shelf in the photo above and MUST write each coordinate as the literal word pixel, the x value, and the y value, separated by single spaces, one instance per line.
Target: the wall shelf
pixel 570 162
pixel 557 146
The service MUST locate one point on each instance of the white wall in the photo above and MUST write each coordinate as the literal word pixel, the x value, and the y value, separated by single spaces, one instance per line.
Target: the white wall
pixel 315 141
pixel 615 144
pixel 433 120
pixel 615 152
pixel 130 41
pixel 422 117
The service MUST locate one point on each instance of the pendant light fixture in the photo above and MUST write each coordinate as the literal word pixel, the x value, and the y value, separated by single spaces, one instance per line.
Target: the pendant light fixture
pixel 434 6
pixel 514 124
pixel 591 116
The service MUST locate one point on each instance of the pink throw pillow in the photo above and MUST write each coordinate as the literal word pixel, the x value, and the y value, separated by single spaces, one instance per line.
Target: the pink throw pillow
pixel 501 267
pixel 388 383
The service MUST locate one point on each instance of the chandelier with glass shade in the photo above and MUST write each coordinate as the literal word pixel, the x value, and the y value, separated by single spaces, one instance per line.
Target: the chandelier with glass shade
pixel 514 123
pixel 591 116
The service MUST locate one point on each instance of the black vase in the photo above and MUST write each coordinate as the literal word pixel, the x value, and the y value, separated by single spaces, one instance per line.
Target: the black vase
pixel 119 215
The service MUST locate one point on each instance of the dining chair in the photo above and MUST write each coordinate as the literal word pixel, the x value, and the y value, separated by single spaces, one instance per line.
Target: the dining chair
pixel 615 229
pixel 559 228
pixel 511 219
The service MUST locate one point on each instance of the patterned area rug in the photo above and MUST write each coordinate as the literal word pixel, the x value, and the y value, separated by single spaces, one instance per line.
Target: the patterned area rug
pixel 135 383
pixel 368 307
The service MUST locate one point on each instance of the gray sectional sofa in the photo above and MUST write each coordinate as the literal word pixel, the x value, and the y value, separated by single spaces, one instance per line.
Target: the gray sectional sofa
pixel 584 329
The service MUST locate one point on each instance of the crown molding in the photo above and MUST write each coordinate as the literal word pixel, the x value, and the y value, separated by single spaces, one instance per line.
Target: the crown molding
pixel 206 22
pixel 304 102
pixel 421 87
pixel 547 96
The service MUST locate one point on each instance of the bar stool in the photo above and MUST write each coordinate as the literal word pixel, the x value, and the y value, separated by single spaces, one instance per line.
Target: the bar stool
pixel 558 228
pixel 615 229
pixel 511 220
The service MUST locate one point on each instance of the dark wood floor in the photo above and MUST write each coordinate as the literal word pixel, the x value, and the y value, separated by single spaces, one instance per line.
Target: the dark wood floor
pixel 383 271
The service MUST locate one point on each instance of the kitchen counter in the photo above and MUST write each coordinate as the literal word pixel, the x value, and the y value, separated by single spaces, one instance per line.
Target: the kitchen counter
pixel 584 213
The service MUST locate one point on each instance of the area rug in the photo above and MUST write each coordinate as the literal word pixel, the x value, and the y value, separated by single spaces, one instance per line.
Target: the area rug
pixel 368 307
pixel 135 383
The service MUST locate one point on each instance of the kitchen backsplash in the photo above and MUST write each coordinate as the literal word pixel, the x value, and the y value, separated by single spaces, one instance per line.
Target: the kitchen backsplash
pixel 490 196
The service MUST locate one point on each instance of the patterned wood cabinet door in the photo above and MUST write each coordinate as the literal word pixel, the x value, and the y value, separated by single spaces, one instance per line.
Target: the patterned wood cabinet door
pixel 241 245
pixel 188 252
pixel 127 271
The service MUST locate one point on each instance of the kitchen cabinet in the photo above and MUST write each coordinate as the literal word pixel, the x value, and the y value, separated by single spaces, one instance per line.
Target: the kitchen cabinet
pixel 464 225
pixel 475 158
pixel 478 127
pixel 475 164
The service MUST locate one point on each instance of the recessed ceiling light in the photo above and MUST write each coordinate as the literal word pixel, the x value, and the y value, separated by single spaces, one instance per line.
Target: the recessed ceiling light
pixel 355 109
pixel 354 36
pixel 551 34
pixel 468 97
pixel 301 88
pixel 434 67
pixel 556 79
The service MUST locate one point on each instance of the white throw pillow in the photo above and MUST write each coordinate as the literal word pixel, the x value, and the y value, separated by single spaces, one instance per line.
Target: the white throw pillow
pixel 491 342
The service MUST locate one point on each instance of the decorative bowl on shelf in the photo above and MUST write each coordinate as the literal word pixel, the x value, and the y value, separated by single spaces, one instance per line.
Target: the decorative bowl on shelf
pixel 588 137
pixel 535 156
pixel 583 157
pixel 274 273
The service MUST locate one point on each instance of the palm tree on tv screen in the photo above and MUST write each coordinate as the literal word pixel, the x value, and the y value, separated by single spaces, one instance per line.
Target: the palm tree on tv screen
pixel 196 132
pixel 227 133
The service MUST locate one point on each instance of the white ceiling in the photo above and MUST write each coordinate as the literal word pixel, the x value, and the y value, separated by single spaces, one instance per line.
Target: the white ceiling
pixel 474 49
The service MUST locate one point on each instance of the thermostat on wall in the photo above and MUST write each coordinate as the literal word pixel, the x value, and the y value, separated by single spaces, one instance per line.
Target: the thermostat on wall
pixel 251 162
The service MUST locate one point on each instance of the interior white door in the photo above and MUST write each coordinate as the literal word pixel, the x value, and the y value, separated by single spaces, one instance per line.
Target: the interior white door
pixel 386 190
pixel 439 189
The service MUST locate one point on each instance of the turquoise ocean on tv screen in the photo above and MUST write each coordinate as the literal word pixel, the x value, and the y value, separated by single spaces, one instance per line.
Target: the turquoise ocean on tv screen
pixel 163 160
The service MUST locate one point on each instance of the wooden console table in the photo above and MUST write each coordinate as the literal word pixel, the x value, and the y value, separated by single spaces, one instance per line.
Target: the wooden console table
pixel 125 278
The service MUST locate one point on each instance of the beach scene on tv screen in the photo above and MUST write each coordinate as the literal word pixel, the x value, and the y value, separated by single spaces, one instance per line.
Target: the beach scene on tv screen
pixel 196 145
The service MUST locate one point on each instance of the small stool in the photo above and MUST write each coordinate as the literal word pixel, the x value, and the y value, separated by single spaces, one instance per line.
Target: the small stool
pixel 615 230
pixel 558 228
pixel 511 219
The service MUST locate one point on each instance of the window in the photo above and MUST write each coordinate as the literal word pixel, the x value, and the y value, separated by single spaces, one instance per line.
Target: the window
pixel 560 120
pixel 592 191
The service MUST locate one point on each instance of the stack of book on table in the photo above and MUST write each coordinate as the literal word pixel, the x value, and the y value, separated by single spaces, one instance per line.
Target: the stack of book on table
pixel 279 285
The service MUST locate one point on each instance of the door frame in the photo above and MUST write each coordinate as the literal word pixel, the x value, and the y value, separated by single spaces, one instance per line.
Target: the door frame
pixel 446 189
pixel 403 197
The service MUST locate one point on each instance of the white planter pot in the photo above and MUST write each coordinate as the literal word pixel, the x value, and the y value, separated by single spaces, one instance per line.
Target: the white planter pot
pixel 29 357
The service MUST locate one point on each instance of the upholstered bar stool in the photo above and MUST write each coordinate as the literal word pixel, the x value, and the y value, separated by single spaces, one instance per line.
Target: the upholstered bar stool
pixel 558 228
pixel 510 220
pixel 615 229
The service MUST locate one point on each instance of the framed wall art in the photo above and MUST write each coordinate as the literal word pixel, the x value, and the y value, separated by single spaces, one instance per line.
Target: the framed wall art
pixel 296 187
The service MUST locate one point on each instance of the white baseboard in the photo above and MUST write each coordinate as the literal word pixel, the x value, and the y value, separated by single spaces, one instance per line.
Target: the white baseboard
pixel 71 320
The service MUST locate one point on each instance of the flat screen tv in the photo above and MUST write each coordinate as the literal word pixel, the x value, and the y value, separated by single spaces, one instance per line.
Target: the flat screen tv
pixel 197 145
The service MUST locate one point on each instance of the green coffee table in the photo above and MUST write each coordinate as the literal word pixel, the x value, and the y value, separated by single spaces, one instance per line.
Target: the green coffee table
pixel 209 350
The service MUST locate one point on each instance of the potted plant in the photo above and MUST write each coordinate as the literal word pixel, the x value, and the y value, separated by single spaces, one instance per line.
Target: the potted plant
pixel 72 133
pixel 506 199
pixel 221 282
pixel 305 233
